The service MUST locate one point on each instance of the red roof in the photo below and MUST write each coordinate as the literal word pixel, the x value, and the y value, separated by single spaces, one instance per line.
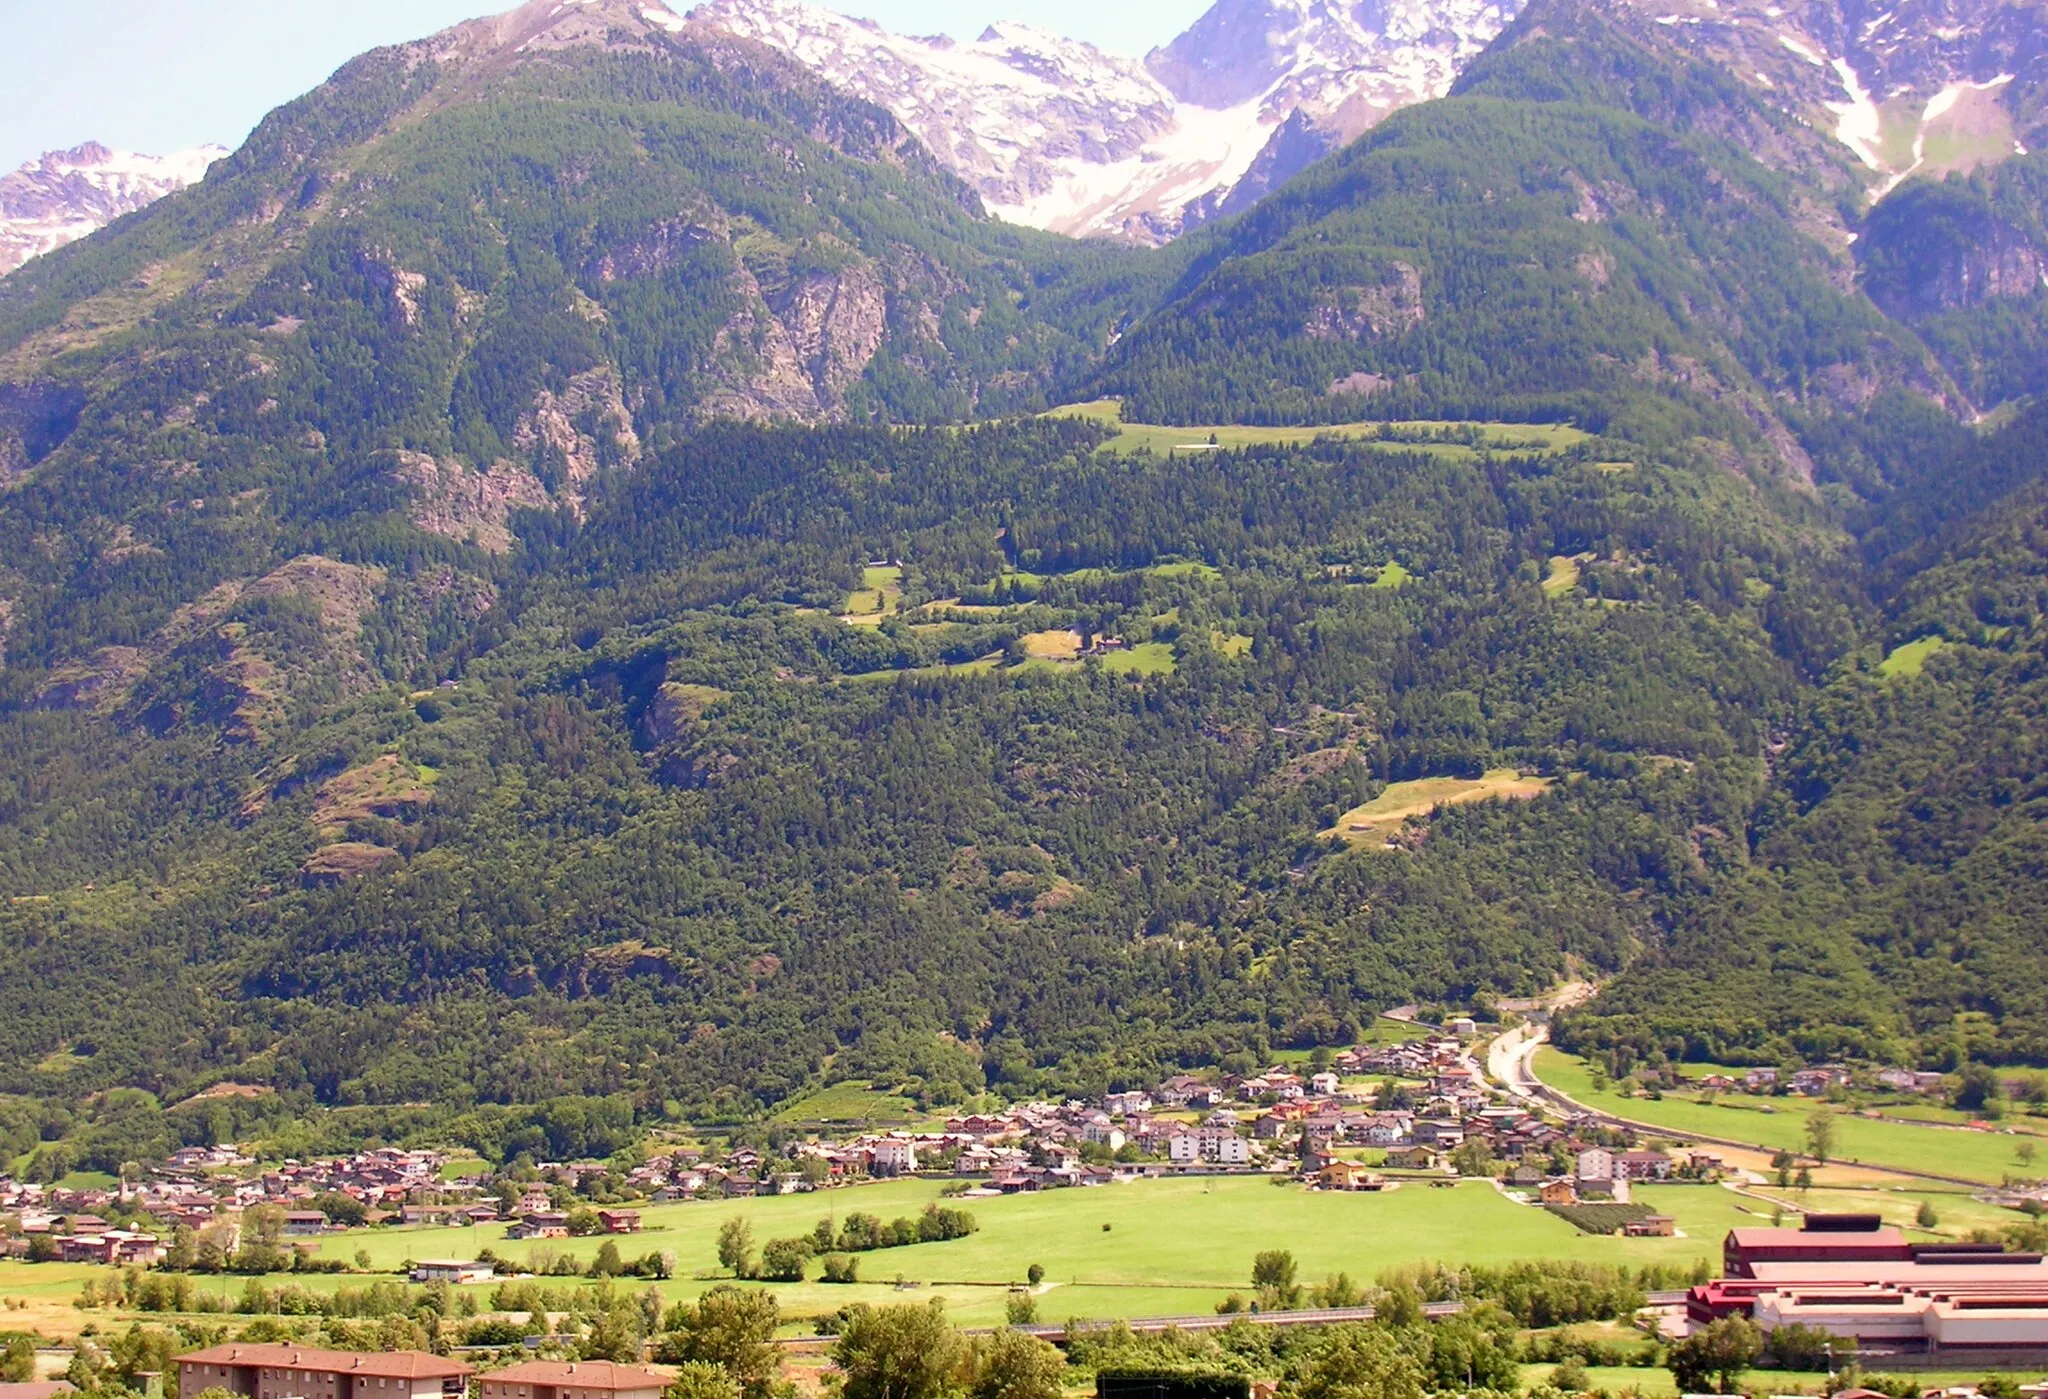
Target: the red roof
pixel 585 1374
pixel 403 1365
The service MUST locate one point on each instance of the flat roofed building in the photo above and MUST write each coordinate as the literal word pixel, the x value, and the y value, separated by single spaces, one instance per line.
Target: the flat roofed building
pixel 573 1379
pixel 271 1371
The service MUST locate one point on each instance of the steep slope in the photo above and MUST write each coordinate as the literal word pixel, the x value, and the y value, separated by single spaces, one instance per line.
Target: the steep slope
pixel 65 195
pixel 1965 262
pixel 465 278
pixel 1894 875
pixel 1580 231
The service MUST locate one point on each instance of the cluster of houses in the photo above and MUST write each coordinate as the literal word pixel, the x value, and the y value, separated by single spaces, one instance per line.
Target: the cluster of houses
pixel 1814 1081
pixel 1318 1123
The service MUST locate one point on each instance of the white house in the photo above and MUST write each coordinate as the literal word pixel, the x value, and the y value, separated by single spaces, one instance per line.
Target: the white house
pixel 894 1156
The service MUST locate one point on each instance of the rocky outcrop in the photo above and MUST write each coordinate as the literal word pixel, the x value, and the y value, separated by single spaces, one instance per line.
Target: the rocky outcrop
pixel 459 502
pixel 586 428
pixel 796 359
pixel 1370 312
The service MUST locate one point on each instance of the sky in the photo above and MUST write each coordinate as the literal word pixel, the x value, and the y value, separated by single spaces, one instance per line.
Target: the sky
pixel 163 75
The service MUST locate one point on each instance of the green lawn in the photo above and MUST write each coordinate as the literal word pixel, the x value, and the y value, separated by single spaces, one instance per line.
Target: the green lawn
pixel 1392 576
pixel 1780 1123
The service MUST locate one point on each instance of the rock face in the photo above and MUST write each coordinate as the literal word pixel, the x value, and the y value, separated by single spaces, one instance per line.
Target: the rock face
pixel 65 195
pixel 1062 135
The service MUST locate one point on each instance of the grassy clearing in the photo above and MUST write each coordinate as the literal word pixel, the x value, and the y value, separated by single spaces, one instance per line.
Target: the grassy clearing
pixel 1910 658
pixel 1171 439
pixel 1379 818
pixel 1232 644
pixel 1064 645
pixel 1774 1124
pixel 849 1102
pixel 880 595
pixel 1564 574
pixel 1146 658
pixel 1392 576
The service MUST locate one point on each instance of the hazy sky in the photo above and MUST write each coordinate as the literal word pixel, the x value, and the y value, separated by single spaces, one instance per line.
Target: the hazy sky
pixel 162 75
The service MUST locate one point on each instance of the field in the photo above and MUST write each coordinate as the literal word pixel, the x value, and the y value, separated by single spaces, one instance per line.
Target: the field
pixel 1149 1248
pixel 1379 818
pixel 849 1102
pixel 1564 574
pixel 1780 1123
pixel 881 593
pixel 1910 658
pixel 1167 439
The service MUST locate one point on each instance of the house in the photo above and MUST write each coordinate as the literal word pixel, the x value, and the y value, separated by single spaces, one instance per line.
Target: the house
pixel 277 1371
pixel 300 1224
pixel 619 1221
pixel 1643 1165
pixel 1271 1126
pixel 575 1379
pixel 1651 1226
pixel 893 1156
pixel 1462 1026
pixel 454 1272
pixel 1525 1177
pixel 1348 1175
pixel 1595 1164
pixel 544 1224
pixel 1440 1133
pixel 1326 1084
pixel 1560 1192
pixel 1413 1158
pixel 1187 1091
pixel 1124 1104
pixel 1760 1080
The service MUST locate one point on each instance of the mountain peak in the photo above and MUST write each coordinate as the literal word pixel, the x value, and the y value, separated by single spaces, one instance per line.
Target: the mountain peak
pixel 62 196
pixel 1065 136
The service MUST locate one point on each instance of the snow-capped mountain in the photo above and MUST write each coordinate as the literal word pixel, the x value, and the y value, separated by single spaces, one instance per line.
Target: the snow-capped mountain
pixel 65 195
pixel 1910 87
pixel 1064 136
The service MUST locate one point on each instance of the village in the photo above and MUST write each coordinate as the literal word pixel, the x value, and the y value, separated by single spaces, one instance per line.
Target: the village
pixel 1374 1118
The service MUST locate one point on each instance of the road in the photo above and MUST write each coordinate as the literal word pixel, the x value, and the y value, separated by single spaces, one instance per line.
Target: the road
pixel 1511 1061
pixel 1216 1321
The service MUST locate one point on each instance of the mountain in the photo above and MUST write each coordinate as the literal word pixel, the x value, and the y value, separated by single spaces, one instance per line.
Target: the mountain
pixel 67 194
pixel 548 588
pixel 1062 136
pixel 1912 87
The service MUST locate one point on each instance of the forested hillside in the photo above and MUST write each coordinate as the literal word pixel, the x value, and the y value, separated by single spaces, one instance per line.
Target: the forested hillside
pixel 540 599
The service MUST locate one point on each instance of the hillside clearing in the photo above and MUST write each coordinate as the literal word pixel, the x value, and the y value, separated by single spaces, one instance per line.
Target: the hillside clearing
pixel 1379 818
pixel 1172 439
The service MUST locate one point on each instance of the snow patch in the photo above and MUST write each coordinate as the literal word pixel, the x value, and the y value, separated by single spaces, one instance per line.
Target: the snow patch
pixel 1857 123
pixel 1802 50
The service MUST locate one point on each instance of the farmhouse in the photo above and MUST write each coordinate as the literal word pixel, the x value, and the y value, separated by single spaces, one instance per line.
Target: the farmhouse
pixel 619 1221
pixel 544 1224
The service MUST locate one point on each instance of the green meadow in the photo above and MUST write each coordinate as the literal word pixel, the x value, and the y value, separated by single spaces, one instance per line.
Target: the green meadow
pixel 1774 1124
pixel 1166 439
